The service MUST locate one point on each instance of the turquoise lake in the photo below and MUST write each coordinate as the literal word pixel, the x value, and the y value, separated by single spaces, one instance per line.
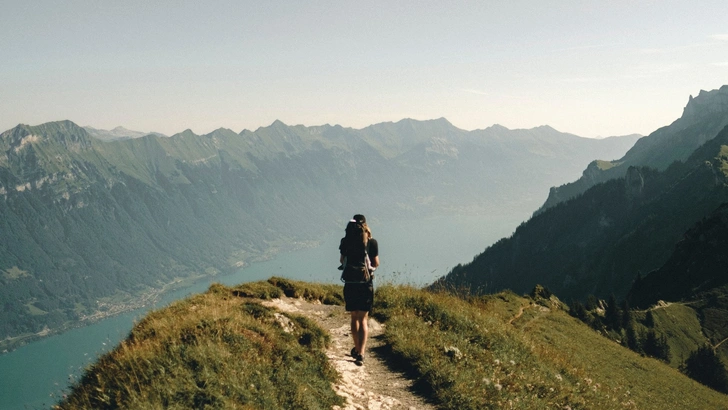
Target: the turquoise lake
pixel 414 252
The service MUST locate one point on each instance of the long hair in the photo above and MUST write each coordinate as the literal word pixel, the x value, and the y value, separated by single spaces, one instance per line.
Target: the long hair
pixel 357 234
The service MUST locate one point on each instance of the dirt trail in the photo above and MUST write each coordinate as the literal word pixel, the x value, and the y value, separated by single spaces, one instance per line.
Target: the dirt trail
pixel 371 386
pixel 518 315
pixel 720 343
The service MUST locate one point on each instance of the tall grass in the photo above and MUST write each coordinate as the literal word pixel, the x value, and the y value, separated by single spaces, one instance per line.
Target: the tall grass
pixel 223 349
pixel 214 350
pixel 472 354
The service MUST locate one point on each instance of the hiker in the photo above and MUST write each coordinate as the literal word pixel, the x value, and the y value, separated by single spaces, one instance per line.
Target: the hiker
pixel 359 258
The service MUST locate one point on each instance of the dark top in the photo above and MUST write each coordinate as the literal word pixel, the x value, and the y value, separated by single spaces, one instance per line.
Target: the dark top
pixel 355 257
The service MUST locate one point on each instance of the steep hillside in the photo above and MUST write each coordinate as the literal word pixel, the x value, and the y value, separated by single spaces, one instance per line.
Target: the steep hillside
pixel 600 241
pixel 703 117
pixel 90 227
pixel 498 351
pixel 693 279
pixel 696 266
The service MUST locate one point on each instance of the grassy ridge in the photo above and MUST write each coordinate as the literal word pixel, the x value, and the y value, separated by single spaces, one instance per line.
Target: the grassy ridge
pixel 219 349
pixel 506 351
pixel 222 349
pixel 690 325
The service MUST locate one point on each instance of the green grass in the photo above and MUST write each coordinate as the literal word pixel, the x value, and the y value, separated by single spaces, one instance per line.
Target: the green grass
pixel 506 351
pixel 15 273
pixel 605 165
pixel 722 159
pixel 691 325
pixel 223 349
pixel 276 287
pixel 214 350
pixel 35 310
pixel 681 325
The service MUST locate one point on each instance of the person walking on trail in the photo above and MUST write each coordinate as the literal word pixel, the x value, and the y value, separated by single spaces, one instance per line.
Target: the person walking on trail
pixel 359 258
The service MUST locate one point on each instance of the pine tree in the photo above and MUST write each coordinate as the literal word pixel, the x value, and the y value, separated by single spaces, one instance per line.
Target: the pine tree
pixel 626 315
pixel 612 315
pixel 633 342
pixel 591 303
pixel 656 346
pixel 649 319
pixel 705 367
pixel 579 311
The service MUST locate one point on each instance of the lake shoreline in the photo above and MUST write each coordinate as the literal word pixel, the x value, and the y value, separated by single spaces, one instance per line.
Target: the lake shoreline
pixel 147 298
pixel 414 251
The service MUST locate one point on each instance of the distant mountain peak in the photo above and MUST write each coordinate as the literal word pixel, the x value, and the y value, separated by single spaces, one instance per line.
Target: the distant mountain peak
pixel 707 102
pixel 411 121
pixel 545 128
pixel 497 127
pixel 186 133
pixel 117 133
pixel 224 130
pixel 63 132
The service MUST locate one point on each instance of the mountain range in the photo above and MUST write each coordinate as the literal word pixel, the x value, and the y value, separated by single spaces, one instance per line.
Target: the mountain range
pixel 88 224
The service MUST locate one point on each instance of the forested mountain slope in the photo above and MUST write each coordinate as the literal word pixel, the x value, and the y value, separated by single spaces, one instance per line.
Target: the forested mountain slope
pixel 598 242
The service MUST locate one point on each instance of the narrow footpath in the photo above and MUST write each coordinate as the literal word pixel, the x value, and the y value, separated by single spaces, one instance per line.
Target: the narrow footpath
pixel 370 386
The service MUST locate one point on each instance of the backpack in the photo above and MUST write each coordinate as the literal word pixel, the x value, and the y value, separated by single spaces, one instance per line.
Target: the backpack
pixel 353 273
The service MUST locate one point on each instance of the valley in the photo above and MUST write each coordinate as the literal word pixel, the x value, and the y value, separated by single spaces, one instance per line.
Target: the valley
pixel 89 220
pixel 190 207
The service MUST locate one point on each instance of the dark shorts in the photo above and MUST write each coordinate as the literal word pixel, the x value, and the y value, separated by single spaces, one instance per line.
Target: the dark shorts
pixel 359 296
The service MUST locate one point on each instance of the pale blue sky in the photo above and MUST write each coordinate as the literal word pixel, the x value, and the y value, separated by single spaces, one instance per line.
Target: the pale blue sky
pixel 592 68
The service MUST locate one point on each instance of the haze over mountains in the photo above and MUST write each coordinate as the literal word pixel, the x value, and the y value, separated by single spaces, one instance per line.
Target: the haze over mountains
pixel 702 118
pixel 89 224
pixel 650 227
pixel 625 225
pixel 118 133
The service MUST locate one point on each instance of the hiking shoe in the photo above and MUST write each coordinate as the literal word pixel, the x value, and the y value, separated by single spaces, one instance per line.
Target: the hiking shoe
pixel 359 359
pixel 353 352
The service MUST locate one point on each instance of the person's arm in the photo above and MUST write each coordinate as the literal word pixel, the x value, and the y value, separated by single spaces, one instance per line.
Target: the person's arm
pixel 374 250
pixel 341 251
pixel 375 261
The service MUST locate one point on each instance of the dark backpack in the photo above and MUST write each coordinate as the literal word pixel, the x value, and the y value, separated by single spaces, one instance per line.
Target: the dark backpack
pixel 354 271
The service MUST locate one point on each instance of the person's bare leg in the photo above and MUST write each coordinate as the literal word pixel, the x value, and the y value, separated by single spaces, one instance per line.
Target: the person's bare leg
pixel 363 331
pixel 355 329
pixel 360 330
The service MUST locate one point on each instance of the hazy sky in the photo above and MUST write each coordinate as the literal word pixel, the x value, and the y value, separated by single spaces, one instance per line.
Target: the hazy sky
pixel 592 68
